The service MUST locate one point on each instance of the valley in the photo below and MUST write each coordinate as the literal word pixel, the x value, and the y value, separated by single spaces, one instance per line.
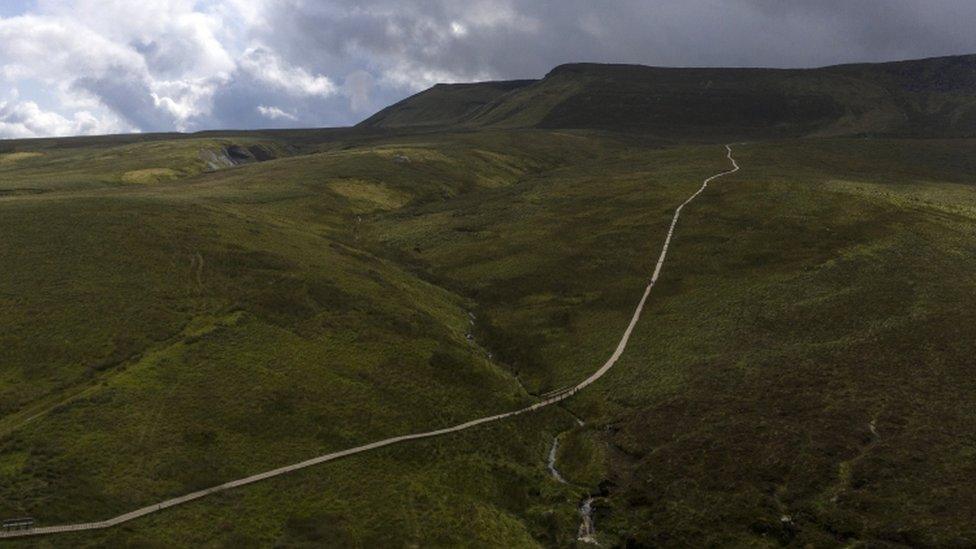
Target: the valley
pixel 800 374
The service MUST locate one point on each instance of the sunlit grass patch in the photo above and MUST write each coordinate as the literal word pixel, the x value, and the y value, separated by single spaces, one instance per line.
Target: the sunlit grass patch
pixel 10 158
pixel 368 196
pixel 150 175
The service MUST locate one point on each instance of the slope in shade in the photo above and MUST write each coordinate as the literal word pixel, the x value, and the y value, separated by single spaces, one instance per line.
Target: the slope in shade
pixel 919 98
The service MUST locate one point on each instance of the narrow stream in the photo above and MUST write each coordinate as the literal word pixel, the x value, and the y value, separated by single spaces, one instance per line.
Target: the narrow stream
pixel 587 529
pixel 552 461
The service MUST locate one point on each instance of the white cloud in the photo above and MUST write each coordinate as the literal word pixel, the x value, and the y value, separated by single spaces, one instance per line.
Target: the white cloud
pixel 186 100
pixel 263 65
pixel 51 49
pixel 155 64
pixel 26 119
pixel 274 113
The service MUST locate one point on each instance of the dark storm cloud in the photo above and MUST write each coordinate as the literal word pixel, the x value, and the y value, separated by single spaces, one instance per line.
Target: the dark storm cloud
pixel 526 38
pixel 406 45
pixel 873 30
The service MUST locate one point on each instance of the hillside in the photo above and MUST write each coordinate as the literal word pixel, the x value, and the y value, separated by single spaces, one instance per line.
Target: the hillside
pixel 443 105
pixel 180 311
pixel 920 98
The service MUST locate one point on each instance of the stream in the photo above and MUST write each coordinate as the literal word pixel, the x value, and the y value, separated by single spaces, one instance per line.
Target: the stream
pixel 587 529
pixel 551 463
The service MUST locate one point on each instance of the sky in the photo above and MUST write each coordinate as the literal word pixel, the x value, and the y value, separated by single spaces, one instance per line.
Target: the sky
pixel 82 67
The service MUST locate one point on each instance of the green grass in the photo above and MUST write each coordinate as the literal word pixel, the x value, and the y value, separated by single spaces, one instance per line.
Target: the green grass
pixel 160 338
pixel 808 295
pixel 39 167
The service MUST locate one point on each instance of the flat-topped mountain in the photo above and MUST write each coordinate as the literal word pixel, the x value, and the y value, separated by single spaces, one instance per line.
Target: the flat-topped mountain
pixel 927 97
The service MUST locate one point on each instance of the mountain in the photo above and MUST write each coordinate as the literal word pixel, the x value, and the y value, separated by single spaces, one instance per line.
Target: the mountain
pixel 924 97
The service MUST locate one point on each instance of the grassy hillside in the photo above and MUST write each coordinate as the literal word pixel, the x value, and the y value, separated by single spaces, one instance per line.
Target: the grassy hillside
pixel 162 338
pixel 931 97
pixel 443 105
pixel 801 376
pixel 32 168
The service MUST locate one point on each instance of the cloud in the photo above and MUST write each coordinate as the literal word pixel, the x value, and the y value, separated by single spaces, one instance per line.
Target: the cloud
pixel 359 89
pixel 274 113
pixel 87 66
pixel 26 119
pixel 410 42
pixel 264 66
pixel 53 48
pixel 144 72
